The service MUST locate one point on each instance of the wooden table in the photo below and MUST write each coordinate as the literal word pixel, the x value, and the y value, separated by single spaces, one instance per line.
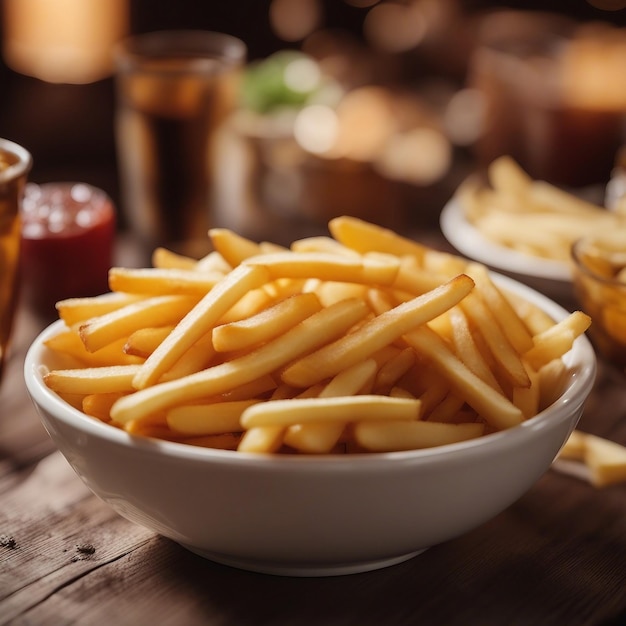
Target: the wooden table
pixel 555 557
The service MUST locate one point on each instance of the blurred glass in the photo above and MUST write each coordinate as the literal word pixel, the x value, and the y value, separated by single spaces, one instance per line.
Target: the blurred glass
pixel 174 89
pixel 15 163
pixel 525 65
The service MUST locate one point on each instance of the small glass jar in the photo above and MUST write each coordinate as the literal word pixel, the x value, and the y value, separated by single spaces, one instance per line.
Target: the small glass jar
pixel 68 232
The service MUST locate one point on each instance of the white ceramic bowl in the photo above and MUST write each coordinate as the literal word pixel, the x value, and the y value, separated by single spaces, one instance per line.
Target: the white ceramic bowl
pixel 548 276
pixel 312 516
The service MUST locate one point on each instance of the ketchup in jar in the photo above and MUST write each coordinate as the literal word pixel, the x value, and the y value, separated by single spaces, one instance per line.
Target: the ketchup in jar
pixel 68 232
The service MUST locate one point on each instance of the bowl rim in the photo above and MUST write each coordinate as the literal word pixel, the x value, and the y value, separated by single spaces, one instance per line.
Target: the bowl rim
pixel 581 381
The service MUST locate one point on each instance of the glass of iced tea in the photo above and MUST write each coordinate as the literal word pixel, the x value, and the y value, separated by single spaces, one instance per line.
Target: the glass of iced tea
pixel 174 90
pixel 15 163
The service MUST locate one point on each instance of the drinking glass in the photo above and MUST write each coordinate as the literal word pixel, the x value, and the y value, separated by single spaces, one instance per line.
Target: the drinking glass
pixel 15 163
pixel 174 89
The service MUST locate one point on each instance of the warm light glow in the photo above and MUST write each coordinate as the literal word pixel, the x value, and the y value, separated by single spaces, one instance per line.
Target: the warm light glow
pixel 395 27
pixel 464 117
pixel 293 20
pixel 63 41
pixel 302 75
pixel 421 156
pixel 316 128
pixel 594 74
pixel 365 124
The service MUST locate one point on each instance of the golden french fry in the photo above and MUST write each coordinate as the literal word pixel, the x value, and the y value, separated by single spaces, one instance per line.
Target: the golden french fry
pixel 266 324
pixel 265 439
pixel 466 348
pixel 69 342
pixel 144 342
pixel 162 281
pixel 167 259
pixel 393 370
pixel 342 409
pixel 326 266
pixel 447 410
pixel 99 331
pixel 322 244
pixel 554 342
pixel 528 398
pixel 99 405
pixel 199 321
pixel 364 237
pixel 500 347
pixel 506 317
pixel 605 459
pixel 320 438
pixel 495 408
pixel 233 247
pixel 208 419
pixel 198 357
pixel 75 310
pixel 316 330
pixel 375 334
pixel 505 174
pixel 388 436
pixel 92 380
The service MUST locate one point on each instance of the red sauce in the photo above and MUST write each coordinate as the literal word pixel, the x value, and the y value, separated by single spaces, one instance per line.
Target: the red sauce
pixel 68 231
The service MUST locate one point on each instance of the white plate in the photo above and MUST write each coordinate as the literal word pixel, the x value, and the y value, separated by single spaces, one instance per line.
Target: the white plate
pixel 470 242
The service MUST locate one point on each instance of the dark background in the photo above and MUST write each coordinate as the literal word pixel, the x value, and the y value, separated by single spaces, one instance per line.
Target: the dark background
pixel 68 128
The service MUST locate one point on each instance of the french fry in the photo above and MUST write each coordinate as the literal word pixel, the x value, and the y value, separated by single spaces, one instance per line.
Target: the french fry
pixel 509 321
pixel 100 331
pixel 99 404
pixel 320 438
pixel 500 347
pixel 379 436
pixel 554 342
pixel 327 266
pixel 92 380
pixel 334 410
pixel 208 419
pixel 375 334
pixel 75 310
pixel 144 342
pixel 69 342
pixel 312 332
pixel 233 248
pixel 495 408
pixel 364 237
pixel 199 320
pixel 466 348
pixel 162 281
pixel 166 259
pixel 264 325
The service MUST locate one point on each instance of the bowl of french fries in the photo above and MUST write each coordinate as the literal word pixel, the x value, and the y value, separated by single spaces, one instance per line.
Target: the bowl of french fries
pixel 332 407
pixel 522 226
pixel 599 276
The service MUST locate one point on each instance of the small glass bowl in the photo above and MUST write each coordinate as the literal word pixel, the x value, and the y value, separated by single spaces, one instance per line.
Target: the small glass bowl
pixel 599 280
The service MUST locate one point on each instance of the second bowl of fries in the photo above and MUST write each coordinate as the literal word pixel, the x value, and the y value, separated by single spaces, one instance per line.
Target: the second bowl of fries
pixel 334 407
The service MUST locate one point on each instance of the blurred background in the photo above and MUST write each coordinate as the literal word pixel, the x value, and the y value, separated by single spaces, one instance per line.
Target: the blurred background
pixel 404 98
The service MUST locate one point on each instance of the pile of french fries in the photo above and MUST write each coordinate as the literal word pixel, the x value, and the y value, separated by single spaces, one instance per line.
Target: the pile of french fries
pixel 360 341
pixel 530 216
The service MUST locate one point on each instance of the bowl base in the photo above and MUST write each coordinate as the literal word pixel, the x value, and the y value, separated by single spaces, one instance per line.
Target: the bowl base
pixel 301 569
